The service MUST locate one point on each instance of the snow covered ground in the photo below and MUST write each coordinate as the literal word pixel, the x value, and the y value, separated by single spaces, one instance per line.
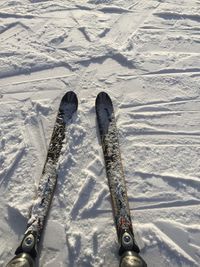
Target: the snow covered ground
pixel 146 55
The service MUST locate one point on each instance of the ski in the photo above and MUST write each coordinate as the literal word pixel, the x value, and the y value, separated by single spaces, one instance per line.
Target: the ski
pixel 129 250
pixel 27 252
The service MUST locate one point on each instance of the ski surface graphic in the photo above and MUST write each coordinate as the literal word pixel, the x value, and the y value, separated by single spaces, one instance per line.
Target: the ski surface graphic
pixel 27 252
pixel 129 250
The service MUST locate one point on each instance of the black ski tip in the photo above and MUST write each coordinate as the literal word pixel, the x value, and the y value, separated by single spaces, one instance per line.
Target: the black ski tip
pixel 104 112
pixel 103 99
pixel 70 98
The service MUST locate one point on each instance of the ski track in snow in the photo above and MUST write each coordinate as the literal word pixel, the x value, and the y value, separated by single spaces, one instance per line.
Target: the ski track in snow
pixel 145 54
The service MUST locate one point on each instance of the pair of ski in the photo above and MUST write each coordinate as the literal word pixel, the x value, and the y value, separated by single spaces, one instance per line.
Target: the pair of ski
pixel 27 252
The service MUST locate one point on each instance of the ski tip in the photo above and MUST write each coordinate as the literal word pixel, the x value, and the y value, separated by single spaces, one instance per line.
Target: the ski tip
pixel 103 98
pixel 70 98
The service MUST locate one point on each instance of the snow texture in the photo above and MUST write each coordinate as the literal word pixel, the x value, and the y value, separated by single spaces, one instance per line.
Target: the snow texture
pixel 145 55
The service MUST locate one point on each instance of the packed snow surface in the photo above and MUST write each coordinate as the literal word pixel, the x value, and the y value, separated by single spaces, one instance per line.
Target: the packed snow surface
pixel 146 55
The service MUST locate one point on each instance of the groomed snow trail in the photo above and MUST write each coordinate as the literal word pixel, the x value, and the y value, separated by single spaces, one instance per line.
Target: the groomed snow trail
pixel 146 56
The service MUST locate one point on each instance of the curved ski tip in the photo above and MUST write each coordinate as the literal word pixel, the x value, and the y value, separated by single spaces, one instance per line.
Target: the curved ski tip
pixel 70 98
pixel 103 98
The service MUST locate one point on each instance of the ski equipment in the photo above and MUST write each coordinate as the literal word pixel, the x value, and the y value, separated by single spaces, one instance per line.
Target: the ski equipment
pixel 27 252
pixel 129 250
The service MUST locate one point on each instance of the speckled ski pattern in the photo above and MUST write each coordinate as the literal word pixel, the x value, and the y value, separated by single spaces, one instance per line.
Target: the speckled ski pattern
pixel 110 144
pixel 39 211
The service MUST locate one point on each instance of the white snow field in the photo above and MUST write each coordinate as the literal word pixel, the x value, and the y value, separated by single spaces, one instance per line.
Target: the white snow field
pixel 146 55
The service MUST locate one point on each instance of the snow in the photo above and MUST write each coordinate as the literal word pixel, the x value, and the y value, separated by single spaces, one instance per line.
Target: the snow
pixel 145 55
